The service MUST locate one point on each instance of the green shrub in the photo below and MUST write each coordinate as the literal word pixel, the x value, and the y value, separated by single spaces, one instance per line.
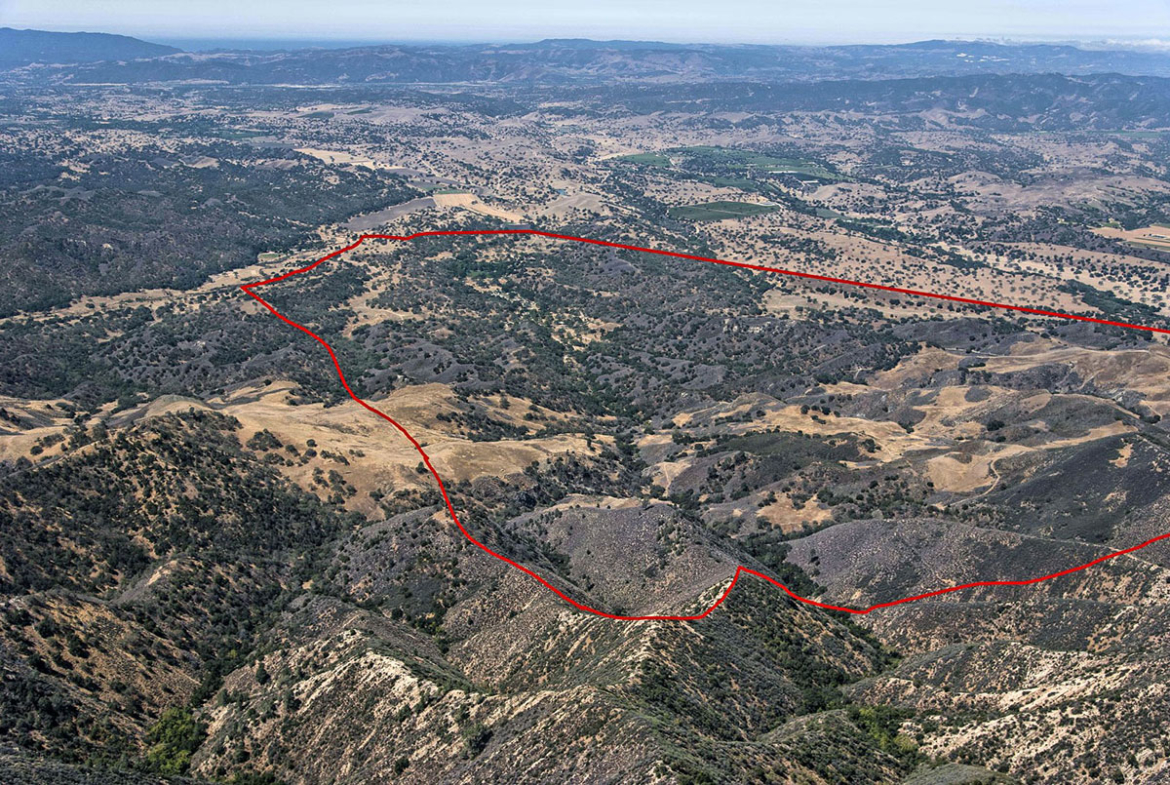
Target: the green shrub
pixel 174 739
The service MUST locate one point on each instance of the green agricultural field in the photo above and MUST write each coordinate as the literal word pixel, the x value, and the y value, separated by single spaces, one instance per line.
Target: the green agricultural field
pixel 728 158
pixel 719 211
pixel 727 161
pixel 647 159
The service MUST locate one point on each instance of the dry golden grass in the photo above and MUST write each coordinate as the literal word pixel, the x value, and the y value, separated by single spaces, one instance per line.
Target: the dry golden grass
pixel 1146 371
pixel 1153 236
pixel 476 205
pixel 379 457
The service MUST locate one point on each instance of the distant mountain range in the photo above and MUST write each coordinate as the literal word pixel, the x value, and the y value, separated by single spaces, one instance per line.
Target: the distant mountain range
pixel 23 47
pixel 101 57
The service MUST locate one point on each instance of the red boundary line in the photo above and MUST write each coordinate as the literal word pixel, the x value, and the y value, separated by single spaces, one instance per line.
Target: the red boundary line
pixel 739 570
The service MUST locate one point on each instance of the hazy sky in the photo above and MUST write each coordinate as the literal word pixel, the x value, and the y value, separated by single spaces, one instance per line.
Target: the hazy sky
pixel 755 21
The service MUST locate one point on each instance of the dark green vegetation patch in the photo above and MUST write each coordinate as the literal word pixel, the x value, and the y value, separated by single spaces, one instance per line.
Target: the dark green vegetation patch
pixel 719 211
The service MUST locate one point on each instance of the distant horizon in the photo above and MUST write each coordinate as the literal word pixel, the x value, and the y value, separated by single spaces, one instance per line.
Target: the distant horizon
pixel 276 42
pixel 1123 23
pixel 202 43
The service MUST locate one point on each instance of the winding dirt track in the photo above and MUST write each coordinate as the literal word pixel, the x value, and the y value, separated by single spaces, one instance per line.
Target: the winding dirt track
pixel 740 570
